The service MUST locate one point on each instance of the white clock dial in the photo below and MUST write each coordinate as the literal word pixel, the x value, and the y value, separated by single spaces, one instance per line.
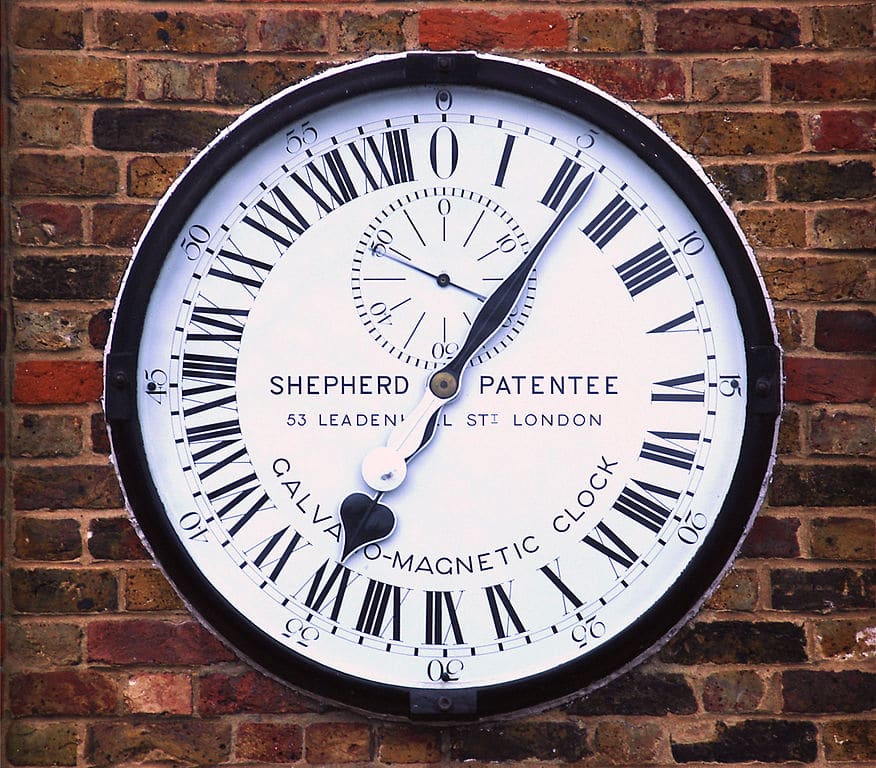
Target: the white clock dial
pixel 578 496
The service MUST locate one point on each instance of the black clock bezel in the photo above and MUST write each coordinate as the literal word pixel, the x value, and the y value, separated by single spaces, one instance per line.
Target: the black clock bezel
pixel 713 557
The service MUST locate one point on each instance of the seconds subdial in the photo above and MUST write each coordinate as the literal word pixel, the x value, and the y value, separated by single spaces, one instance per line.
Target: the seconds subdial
pixel 424 266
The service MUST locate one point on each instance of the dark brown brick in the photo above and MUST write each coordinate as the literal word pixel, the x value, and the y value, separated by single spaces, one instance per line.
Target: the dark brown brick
pixel 407 744
pixel 629 743
pixel 372 32
pixel 338 743
pixel 146 589
pixel 249 82
pixel 820 80
pixel 765 741
pixel 155 130
pixel 818 692
pixel 737 642
pixel 843 27
pixel 774 227
pixel 739 182
pixel 735 133
pixel 728 81
pixel 733 691
pixel 114 538
pixel 823 485
pixel 66 487
pixel 729 29
pixel 170 80
pixel 850 740
pixel 119 225
pixel 847 228
pixel 610 30
pixel 221 693
pixel 269 742
pixel 77 175
pixel 47 539
pixel 35 743
pixel 40 644
pixel 187 741
pixel 842 433
pixel 65 692
pixel 49 330
pixel 42 278
pixel 54 126
pixel 772 537
pixel 151 175
pixel 46 435
pixel 843 538
pixel 813 278
pixel 822 180
pixel 179 31
pixel 65 77
pixel 845 639
pixel 55 29
pixel 44 590
pixel 148 641
pixel 822 591
pixel 565 741
pixel 294 31
pixel 845 330
pixel 639 693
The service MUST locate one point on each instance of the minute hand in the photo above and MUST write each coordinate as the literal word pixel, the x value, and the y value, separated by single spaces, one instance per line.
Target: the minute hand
pixel 444 383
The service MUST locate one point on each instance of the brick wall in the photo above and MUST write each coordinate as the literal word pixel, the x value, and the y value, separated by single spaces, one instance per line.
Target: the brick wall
pixel 103 103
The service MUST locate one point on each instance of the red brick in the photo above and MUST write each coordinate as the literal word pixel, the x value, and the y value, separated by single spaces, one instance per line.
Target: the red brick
pixel 338 743
pixel 159 693
pixel 142 641
pixel 220 693
pixel 850 129
pixel 829 380
pixel 47 223
pixel 845 331
pixel 703 29
pixel 450 28
pixel 67 692
pixel 42 382
pixel 630 79
pixel 772 537
pixel 820 80
pixel 269 742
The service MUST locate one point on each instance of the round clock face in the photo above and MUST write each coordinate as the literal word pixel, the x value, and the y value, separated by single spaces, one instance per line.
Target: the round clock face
pixel 284 440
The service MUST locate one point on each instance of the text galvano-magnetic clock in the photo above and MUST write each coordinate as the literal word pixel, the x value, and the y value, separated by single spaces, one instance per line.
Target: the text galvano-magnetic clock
pixel 443 386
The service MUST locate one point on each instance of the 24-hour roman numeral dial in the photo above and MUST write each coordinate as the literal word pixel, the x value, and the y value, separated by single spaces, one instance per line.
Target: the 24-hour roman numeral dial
pixel 301 307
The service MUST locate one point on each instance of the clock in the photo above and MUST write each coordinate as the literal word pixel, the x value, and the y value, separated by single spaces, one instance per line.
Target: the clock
pixel 443 386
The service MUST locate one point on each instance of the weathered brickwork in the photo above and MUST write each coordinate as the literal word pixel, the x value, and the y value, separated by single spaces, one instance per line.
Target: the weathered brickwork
pixel 103 104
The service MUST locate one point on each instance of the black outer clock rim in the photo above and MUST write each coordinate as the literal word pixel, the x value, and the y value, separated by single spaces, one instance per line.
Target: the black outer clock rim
pixel 713 558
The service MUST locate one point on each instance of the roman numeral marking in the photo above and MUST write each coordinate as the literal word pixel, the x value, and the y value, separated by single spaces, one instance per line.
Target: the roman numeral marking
pixel 502 612
pixel 554 578
pixel 645 509
pixel 269 544
pixel 334 180
pixel 213 431
pixel 209 367
pixel 441 611
pixel 681 324
pixel 679 390
pixel 670 452
pixel 606 225
pixel 646 269
pixel 332 592
pixel 392 156
pixel 238 492
pixel 557 190
pixel 374 607
pixel 616 550
pixel 503 163
pixel 252 276
pixel 217 375
pixel 224 319
pixel 292 220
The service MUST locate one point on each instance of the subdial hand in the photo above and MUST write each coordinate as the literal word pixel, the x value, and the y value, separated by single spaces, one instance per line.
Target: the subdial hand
pixel 442 279
pixel 365 520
